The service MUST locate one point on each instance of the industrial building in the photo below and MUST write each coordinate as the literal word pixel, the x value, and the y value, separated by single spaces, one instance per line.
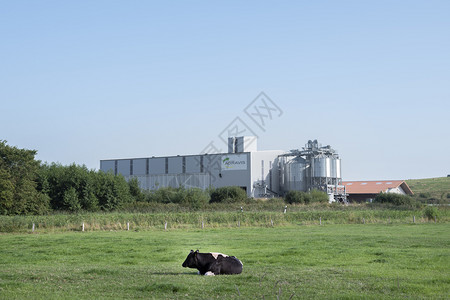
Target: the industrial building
pixel 259 173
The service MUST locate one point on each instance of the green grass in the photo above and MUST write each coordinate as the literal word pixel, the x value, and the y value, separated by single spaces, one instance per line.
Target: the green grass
pixel 372 261
pixel 296 215
pixel 437 188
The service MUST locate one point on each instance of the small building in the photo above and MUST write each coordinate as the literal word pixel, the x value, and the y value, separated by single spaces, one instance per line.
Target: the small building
pixel 363 191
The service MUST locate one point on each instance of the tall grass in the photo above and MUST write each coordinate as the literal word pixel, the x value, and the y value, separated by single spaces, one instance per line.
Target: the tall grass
pixel 249 216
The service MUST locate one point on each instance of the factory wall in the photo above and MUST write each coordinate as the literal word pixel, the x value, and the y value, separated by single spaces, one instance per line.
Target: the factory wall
pixel 203 171
pixel 264 172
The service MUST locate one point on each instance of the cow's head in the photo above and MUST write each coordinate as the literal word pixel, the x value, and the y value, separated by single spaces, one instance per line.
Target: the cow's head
pixel 191 260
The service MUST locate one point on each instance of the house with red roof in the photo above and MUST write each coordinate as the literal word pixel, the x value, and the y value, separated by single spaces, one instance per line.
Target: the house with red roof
pixel 362 191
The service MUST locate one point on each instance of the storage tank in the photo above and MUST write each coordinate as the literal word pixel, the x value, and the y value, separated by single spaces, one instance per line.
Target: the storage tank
pixel 294 173
pixel 321 166
pixel 335 167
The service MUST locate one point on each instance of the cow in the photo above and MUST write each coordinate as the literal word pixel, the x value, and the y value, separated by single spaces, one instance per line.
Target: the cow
pixel 213 263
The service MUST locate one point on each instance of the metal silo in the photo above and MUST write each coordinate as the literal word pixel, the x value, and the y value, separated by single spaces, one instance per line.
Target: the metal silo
pixel 294 174
pixel 321 166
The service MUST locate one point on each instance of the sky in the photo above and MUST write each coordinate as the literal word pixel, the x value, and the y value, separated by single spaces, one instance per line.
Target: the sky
pixel 82 81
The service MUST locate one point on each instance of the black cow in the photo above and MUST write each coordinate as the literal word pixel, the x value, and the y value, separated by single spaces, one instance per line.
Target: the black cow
pixel 213 263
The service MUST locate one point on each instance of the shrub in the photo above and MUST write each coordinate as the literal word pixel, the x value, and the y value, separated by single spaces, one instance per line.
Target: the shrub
pixel 319 196
pixel 430 212
pixel 194 197
pixel 228 194
pixel 296 197
pixel 395 199
pixel 424 195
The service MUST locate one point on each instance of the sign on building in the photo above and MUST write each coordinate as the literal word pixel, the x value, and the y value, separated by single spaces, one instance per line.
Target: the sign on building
pixel 234 162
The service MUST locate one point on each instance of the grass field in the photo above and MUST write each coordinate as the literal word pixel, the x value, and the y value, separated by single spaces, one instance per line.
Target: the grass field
pixel 371 261
pixel 296 215
pixel 437 188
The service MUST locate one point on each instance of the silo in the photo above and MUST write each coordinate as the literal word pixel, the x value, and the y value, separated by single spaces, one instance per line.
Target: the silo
pixel 321 166
pixel 335 167
pixel 294 172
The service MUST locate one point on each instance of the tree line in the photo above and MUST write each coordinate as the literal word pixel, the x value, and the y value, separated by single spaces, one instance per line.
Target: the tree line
pixel 29 187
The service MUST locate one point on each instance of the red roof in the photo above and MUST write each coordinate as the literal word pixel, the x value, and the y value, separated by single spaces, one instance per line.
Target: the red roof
pixel 375 187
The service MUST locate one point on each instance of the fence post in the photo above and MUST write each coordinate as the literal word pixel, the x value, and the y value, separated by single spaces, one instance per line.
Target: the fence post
pixel 414 219
pixel 32 229
pixel 128 226
pixel 271 222
pixel 202 225
pixel 165 226
pixel 364 221
pixel 320 220
pixel 82 227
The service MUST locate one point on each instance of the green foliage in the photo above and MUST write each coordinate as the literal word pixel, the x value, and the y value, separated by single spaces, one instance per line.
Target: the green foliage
pixel 395 199
pixel 18 174
pixel 319 196
pixel 298 197
pixel 194 198
pixel 71 201
pixel 228 194
pixel 430 212
pixel 76 188
pixel 295 197
pixel 135 190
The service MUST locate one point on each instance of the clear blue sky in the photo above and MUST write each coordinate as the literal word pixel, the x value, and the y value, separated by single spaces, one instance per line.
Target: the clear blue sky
pixel 82 81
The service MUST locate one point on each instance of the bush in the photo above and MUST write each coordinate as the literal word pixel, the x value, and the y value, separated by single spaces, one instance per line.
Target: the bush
pixel 319 196
pixel 194 197
pixel 295 197
pixel 306 198
pixel 395 199
pixel 430 212
pixel 228 194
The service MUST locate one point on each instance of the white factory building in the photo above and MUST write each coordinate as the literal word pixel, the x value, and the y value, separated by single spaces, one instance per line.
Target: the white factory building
pixel 259 173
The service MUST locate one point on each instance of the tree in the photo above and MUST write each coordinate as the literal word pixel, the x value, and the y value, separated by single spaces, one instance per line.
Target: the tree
pixel 18 176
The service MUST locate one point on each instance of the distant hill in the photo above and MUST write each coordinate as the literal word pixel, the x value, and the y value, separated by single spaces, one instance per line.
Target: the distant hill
pixel 436 188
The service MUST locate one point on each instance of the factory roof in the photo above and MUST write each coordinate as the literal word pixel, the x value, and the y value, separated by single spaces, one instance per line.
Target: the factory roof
pixel 375 187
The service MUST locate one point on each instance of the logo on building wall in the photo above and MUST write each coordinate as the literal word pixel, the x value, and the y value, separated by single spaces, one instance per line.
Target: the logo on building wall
pixel 234 162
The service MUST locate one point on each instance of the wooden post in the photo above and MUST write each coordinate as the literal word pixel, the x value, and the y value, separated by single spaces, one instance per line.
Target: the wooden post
pixel 414 219
pixel 202 225
pixel 128 226
pixel 32 229
pixel 165 226
pixel 364 221
pixel 82 227
pixel 320 220
pixel 271 222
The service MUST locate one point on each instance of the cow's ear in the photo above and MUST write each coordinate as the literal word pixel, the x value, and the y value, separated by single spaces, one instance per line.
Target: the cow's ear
pixel 192 251
pixel 196 251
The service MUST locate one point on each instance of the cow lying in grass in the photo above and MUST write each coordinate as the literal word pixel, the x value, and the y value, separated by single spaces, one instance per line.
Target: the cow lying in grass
pixel 213 263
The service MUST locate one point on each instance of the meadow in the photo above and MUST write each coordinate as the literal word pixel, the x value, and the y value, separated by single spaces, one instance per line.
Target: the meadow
pixel 344 261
